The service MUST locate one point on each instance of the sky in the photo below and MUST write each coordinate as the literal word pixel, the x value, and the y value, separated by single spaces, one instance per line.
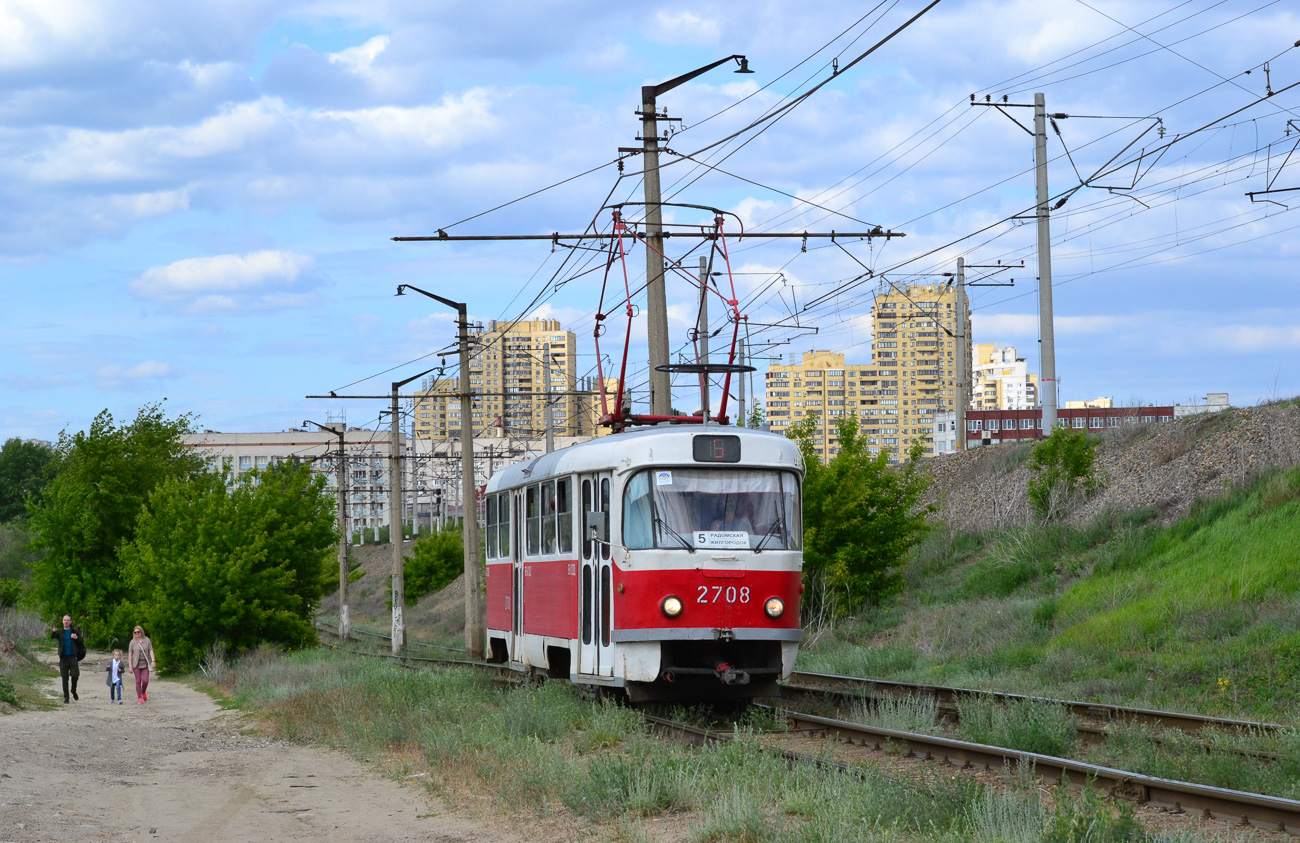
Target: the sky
pixel 199 198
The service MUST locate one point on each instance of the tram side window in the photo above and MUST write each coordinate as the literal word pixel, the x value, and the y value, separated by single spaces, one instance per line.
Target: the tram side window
pixel 548 516
pixel 534 516
pixel 492 526
pixel 503 524
pixel 564 512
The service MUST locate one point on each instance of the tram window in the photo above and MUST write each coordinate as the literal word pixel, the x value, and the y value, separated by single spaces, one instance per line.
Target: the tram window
pixel 604 507
pixel 606 596
pixel 503 523
pixel 533 514
pixel 586 604
pixel 637 513
pixel 586 507
pixel 548 516
pixel 564 512
pixel 492 526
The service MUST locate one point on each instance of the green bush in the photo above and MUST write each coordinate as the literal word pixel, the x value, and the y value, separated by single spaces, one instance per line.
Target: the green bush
pixel 1064 466
pixel 10 591
pixel 435 562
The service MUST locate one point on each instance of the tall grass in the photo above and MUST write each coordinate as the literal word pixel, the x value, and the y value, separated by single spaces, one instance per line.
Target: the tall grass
pixel 543 751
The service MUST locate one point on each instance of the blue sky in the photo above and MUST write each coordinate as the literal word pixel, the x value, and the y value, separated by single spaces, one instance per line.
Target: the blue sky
pixel 198 198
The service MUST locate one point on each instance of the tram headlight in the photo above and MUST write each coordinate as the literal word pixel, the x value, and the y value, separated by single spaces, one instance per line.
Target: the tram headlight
pixel 774 607
pixel 671 606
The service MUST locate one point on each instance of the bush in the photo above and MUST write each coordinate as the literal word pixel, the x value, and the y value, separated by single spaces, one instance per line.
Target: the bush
pixel 10 590
pixel 435 562
pixel 1064 462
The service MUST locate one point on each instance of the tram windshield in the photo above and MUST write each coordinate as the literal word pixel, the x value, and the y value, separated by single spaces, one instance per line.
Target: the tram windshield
pixel 712 508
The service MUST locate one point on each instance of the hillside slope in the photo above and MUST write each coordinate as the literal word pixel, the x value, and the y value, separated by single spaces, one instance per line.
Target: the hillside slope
pixel 1166 466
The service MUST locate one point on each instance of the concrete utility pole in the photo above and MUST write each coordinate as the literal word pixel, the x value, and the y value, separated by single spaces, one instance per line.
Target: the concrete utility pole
pixel 741 421
pixel 475 622
pixel 702 333
pixel 1046 330
pixel 345 626
pixel 395 527
pixel 661 399
pixel 549 419
pixel 963 356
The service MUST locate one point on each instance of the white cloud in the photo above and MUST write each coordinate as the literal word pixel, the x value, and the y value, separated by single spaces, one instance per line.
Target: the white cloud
pixel 453 121
pixel 115 373
pixel 1255 338
pixel 683 28
pixel 259 280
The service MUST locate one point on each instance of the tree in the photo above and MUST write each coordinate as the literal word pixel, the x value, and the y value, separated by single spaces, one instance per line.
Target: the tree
pixel 435 562
pixel 22 475
pixel 861 515
pixel 1064 465
pixel 102 477
pixel 237 565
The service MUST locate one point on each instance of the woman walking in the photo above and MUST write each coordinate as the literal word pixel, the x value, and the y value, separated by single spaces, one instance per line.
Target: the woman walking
pixel 140 657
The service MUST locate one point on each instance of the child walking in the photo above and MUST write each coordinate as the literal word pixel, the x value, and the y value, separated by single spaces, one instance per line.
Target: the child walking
pixel 115 669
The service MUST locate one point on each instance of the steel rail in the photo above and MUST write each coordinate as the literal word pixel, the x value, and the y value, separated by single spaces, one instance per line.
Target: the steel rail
pixel 1245 809
pixel 853 687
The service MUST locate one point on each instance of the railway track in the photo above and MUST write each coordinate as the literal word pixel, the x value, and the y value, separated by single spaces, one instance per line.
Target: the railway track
pixel 1240 808
pixel 820 685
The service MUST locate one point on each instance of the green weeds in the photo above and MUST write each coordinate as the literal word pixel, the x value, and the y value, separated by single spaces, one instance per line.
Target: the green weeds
pixel 1026 725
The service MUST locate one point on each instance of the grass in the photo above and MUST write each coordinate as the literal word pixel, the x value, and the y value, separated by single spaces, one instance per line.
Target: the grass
pixel 547 753
pixel 1202 615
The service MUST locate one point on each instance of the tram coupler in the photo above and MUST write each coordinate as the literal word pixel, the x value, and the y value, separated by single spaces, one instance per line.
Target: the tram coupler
pixel 729 675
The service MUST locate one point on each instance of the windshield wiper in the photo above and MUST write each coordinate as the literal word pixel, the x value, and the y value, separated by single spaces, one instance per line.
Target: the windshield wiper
pixel 777 528
pixel 659 522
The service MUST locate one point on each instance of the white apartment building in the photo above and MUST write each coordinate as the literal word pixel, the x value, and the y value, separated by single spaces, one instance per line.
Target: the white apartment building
pixel 1001 379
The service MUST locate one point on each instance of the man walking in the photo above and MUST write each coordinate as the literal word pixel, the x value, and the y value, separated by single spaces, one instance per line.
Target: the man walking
pixel 70 646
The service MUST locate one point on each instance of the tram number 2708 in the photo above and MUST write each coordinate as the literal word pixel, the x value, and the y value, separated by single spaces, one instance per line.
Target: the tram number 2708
pixel 719 594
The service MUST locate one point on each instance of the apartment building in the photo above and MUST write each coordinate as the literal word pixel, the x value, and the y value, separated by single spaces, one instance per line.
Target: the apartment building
pixel 1001 379
pixel 915 365
pixel 367 453
pixel 820 386
pixel 511 367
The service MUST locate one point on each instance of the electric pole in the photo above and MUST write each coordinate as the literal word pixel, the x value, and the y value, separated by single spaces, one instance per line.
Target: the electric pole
pixel 702 332
pixel 963 366
pixel 341 432
pixel 1046 329
pixel 395 527
pixel 661 399
pixel 475 623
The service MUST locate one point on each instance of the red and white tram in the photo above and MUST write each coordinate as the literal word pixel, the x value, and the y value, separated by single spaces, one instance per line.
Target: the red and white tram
pixel 664 562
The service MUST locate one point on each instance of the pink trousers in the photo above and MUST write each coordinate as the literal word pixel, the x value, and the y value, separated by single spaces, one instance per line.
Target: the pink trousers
pixel 141 680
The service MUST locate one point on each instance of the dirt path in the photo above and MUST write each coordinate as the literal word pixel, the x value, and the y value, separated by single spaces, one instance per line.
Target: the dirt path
pixel 180 769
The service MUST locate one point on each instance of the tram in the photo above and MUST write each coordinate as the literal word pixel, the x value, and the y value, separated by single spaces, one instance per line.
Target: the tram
pixel 662 562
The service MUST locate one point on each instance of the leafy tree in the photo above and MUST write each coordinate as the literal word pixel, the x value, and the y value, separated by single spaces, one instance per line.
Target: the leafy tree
pixel 22 474
pixel 1064 466
pixel 237 565
pixel 756 416
pixel 861 515
pixel 435 562
pixel 102 478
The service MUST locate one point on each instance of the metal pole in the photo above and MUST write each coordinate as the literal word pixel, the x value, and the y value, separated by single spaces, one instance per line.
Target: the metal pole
pixel 963 367
pixel 395 527
pixel 345 626
pixel 661 399
pixel 475 625
pixel 1046 331
pixel 702 332
pixel 741 421
pixel 549 419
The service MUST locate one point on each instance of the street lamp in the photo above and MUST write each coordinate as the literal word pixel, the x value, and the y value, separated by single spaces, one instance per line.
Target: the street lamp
pixel 475 624
pixel 340 432
pixel 661 400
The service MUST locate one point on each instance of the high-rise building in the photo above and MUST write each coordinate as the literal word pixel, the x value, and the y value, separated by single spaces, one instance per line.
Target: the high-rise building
pixel 1002 380
pixel 821 386
pixel 511 366
pixel 914 371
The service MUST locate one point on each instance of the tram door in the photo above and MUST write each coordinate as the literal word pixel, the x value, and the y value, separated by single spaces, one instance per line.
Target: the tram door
pixel 515 500
pixel 596 583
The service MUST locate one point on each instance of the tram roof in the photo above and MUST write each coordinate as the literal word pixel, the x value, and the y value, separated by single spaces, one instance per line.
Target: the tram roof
pixel 661 445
